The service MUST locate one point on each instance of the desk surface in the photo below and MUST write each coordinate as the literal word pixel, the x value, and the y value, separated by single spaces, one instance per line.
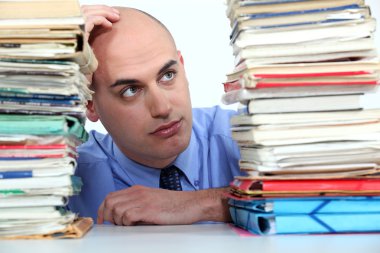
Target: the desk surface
pixel 193 238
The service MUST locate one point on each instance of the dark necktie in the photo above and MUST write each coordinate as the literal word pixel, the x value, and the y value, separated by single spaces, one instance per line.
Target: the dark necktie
pixel 169 179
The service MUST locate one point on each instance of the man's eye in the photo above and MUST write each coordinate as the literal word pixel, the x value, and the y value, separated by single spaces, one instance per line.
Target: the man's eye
pixel 130 91
pixel 168 76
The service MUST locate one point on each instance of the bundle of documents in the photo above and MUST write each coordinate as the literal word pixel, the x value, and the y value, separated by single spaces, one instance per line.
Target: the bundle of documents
pixel 43 94
pixel 303 69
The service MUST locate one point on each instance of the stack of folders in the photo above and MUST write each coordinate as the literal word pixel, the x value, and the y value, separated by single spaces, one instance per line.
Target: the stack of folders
pixel 43 91
pixel 309 139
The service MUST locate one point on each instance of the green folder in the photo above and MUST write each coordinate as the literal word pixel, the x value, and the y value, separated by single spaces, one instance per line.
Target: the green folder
pixel 42 125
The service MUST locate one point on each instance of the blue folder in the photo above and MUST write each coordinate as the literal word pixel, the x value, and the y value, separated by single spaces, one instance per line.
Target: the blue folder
pixel 307 215
pixel 270 223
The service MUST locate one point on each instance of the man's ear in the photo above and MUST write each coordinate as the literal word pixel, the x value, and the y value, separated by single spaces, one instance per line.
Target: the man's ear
pixel 180 57
pixel 91 113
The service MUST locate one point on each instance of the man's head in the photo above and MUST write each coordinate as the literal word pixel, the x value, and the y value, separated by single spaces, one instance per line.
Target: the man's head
pixel 141 91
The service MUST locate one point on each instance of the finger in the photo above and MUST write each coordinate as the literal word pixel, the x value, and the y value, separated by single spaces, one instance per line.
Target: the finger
pixel 122 216
pixel 109 13
pixel 108 209
pixel 117 205
pixel 117 214
pixel 96 21
pixel 100 218
pixel 129 218
pixel 111 16
pixel 91 7
pixel 107 215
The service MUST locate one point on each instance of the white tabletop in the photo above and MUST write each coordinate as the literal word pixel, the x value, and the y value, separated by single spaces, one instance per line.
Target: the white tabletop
pixel 193 238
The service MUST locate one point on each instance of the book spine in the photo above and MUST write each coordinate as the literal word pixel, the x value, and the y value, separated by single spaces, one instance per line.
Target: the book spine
pixel 6 94
pixel 57 146
pixel 290 13
pixel 16 174
pixel 10 192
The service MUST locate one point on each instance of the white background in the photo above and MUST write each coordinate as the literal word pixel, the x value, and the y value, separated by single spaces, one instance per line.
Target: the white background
pixel 201 31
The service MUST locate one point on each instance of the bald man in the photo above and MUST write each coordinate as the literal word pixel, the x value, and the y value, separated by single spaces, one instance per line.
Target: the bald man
pixel 142 98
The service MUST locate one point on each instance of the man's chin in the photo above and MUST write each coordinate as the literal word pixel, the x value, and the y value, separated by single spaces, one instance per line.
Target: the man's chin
pixel 173 148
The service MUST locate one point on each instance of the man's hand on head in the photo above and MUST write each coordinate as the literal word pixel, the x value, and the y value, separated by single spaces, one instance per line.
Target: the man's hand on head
pixel 143 205
pixel 98 15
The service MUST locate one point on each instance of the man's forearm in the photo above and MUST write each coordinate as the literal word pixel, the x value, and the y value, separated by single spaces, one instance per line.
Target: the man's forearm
pixel 139 204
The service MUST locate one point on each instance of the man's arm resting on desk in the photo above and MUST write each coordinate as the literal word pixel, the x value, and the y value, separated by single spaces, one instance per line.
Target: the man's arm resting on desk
pixel 143 205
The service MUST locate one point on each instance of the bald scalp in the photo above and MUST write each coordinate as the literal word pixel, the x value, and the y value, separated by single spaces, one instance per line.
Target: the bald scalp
pixel 131 15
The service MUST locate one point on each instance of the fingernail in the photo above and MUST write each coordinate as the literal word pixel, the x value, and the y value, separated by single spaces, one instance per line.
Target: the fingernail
pixel 116 11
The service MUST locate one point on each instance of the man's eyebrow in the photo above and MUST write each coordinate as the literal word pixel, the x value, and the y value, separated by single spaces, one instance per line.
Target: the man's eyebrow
pixel 134 81
pixel 166 66
pixel 124 82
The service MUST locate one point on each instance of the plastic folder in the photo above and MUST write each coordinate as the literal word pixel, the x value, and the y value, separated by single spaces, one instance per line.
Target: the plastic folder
pixel 270 223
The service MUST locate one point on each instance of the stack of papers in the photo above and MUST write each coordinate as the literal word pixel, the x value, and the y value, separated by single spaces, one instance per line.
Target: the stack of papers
pixel 43 95
pixel 302 72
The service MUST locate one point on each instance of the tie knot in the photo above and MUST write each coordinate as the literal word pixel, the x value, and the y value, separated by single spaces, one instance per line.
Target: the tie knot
pixel 170 179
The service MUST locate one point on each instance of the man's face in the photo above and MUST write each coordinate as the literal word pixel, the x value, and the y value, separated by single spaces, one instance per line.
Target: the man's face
pixel 142 98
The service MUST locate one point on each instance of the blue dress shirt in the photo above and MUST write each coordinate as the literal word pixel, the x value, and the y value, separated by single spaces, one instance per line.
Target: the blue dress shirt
pixel 210 161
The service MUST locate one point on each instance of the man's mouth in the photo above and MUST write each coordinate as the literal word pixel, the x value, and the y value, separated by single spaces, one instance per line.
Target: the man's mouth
pixel 168 130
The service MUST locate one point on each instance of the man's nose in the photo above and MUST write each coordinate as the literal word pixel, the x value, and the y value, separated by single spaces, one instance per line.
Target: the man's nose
pixel 158 102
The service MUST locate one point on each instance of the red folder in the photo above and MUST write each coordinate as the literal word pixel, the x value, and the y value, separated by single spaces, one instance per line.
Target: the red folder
pixel 281 80
pixel 37 151
pixel 360 184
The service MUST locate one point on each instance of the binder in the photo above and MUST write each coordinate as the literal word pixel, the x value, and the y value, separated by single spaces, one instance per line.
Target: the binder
pixel 269 223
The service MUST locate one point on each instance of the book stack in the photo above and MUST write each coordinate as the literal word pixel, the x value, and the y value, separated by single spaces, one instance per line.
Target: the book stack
pixel 308 137
pixel 43 91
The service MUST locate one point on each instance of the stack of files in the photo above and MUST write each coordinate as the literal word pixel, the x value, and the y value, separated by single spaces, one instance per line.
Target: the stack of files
pixel 44 29
pixel 303 69
pixel 43 56
pixel 301 48
pixel 42 87
pixel 43 95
